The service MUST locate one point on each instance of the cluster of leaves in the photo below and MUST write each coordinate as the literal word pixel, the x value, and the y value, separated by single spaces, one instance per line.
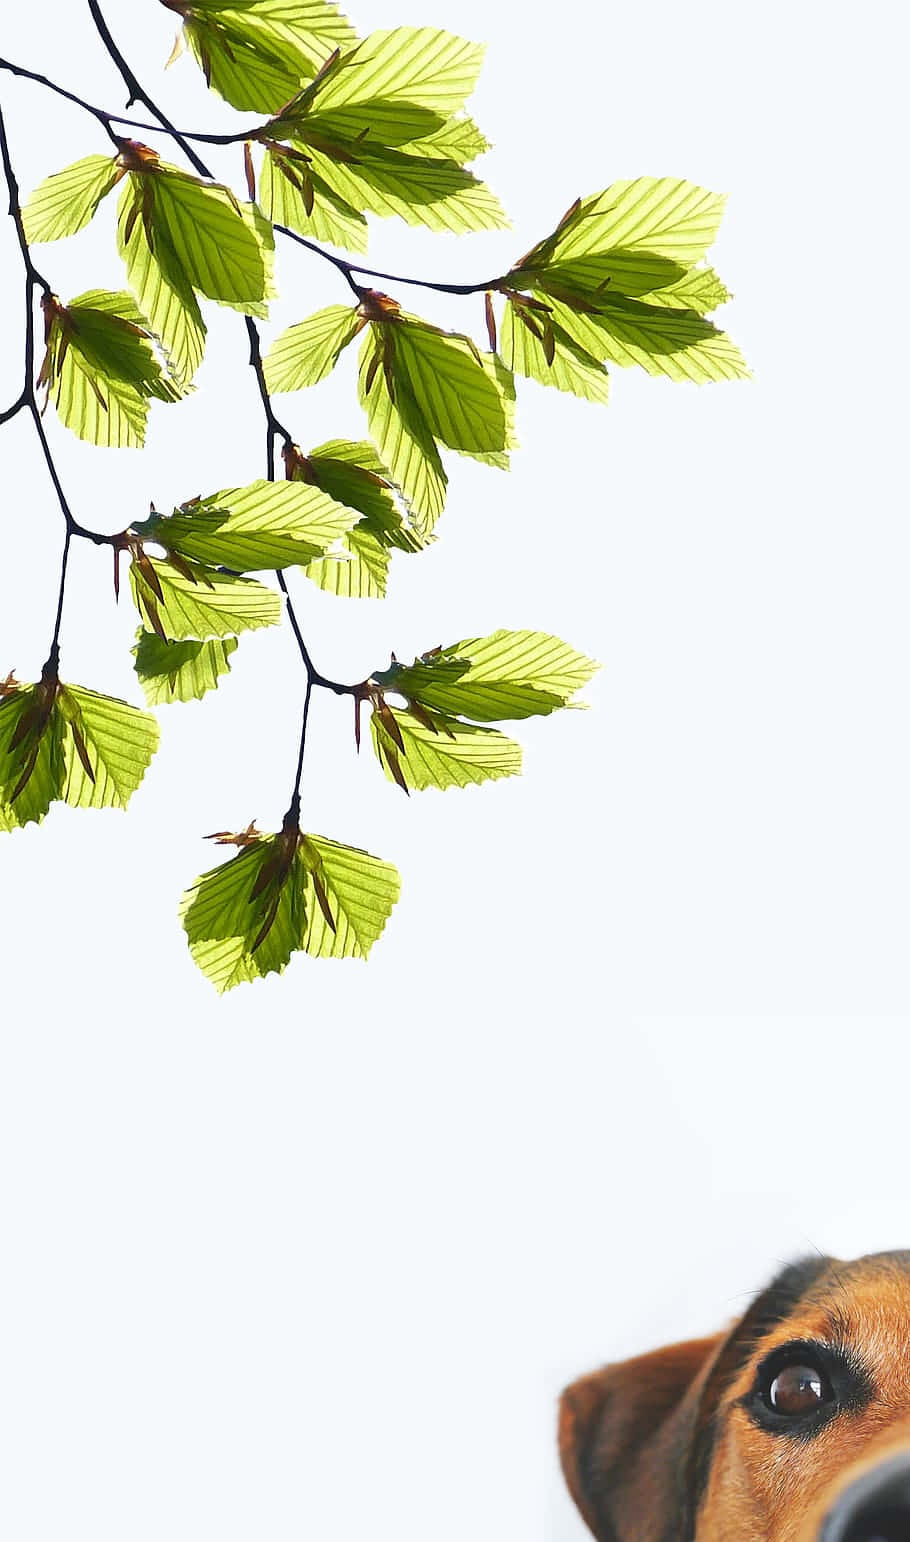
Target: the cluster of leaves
pixel 351 127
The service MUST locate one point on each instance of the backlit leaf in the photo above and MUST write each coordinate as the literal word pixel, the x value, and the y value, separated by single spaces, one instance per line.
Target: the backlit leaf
pixel 557 362
pixel 163 292
pixel 434 750
pixel 204 604
pixel 256 53
pixel 329 219
pixel 505 675
pixel 403 440
pixel 305 353
pixel 439 194
pixel 460 402
pixel 390 72
pixel 360 893
pixel 108 749
pixel 662 341
pixel 66 201
pixel 180 671
pixel 266 525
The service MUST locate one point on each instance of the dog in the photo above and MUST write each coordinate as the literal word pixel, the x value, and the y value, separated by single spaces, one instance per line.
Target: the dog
pixel 793 1426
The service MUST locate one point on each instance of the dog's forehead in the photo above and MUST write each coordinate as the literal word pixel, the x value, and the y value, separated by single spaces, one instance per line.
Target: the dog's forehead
pixel 863 1305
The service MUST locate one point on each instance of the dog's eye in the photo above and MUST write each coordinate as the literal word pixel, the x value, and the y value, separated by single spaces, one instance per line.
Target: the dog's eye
pixel 797 1390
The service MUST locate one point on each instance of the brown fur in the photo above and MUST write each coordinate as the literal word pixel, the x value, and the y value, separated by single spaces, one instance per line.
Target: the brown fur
pixel 660 1448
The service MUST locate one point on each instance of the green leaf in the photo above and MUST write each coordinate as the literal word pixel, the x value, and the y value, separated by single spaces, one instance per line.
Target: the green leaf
pixel 180 671
pixel 220 247
pixel 505 675
pixel 100 368
pixel 256 53
pixel 67 201
pixel 31 754
pixel 267 525
pixel 353 474
pixel 532 346
pixel 662 341
pixel 282 185
pixel 306 353
pixel 435 750
pixel 162 289
pixel 390 73
pixel 636 236
pixel 108 749
pixel 458 140
pixel 699 290
pixel 438 194
pixel 246 918
pixel 195 602
pixel 403 440
pixel 460 402
pixel 359 893
pixel 65 742
pixel 281 894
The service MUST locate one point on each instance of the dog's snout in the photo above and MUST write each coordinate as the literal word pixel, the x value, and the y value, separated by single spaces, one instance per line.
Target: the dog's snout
pixel 876 1508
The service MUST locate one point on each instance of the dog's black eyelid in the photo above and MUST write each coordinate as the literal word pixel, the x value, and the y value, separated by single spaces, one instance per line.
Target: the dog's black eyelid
pixel 824 1380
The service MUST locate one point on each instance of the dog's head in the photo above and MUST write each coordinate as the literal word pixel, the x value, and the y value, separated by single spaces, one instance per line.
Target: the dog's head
pixel 794 1426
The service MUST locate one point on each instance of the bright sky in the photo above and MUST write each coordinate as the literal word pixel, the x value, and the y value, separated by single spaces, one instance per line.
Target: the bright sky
pixel 315 1259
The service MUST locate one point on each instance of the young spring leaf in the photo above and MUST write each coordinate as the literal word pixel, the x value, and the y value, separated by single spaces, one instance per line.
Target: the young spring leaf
pixel 419 189
pixel 636 236
pixel 420 749
pixel 256 53
pixel 180 671
pixel 398 85
pixel 282 894
pixel 191 601
pixel 69 743
pixel 100 369
pixel 402 438
pixel 306 353
pixel 505 675
pixel 461 402
pixel 107 750
pixel 352 474
pixel 661 340
pixel 67 201
pixel 292 194
pixel 266 525
pixel 163 293
pixel 534 347
pixel 700 290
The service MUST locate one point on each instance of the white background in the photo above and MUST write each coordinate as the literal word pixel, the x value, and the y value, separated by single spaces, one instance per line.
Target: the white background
pixel 314 1260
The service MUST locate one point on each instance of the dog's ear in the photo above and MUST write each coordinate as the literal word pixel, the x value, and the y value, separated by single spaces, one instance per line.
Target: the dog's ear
pixel 626 1438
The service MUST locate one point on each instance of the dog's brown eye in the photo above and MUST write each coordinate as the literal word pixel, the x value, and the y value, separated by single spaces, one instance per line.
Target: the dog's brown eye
pixel 796 1390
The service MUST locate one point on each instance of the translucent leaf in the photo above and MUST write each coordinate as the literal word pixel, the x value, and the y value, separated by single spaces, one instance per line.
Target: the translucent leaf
pixel 636 236
pixel 180 671
pixel 65 202
pixel 31 755
pixel 358 572
pixel 256 53
pixel 359 892
pixel 329 219
pixel 246 918
pixel 404 442
pixel 165 296
pixel 396 86
pixel 505 675
pixel 108 749
pixel 221 249
pixel 101 370
pixel 551 357
pixel 674 343
pixel 457 140
pixel 460 401
pixel 199 603
pixel 305 353
pixel 437 194
pixel 699 290
pixel 266 525
pixel 434 750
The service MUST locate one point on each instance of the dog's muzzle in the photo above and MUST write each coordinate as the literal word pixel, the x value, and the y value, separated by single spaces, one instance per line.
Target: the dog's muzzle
pixel 876 1508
